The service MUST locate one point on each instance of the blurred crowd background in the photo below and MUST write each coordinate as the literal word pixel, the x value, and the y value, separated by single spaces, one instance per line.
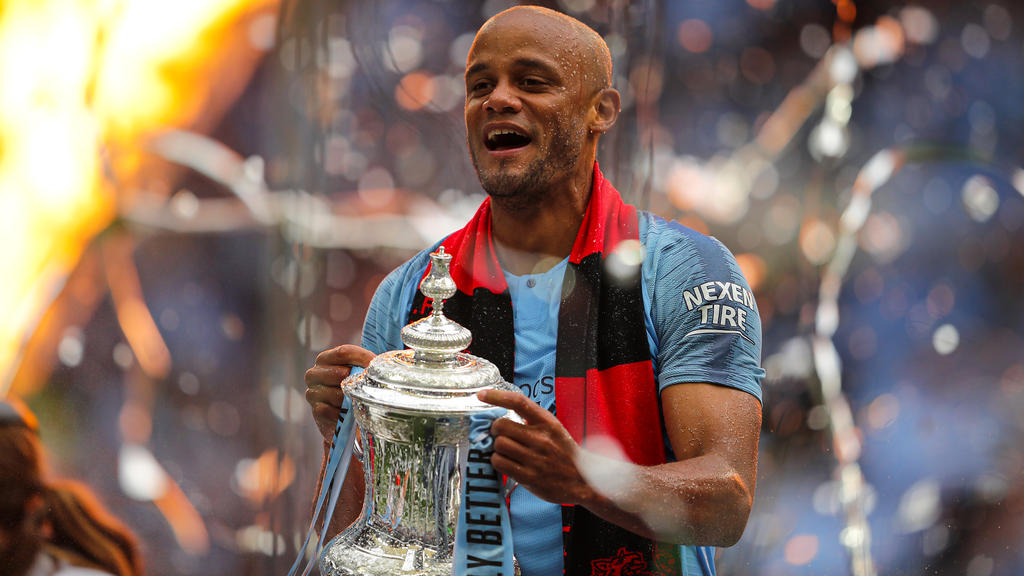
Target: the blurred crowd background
pixel 197 196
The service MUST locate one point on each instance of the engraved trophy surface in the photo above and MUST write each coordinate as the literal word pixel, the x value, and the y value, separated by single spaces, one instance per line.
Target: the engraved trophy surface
pixel 413 411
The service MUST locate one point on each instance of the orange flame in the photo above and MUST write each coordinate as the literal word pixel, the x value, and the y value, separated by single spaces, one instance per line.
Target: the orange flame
pixel 82 85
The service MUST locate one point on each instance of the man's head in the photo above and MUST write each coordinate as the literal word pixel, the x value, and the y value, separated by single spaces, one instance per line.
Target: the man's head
pixel 538 95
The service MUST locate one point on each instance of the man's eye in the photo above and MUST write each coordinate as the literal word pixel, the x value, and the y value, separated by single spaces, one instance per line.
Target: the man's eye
pixel 480 86
pixel 532 82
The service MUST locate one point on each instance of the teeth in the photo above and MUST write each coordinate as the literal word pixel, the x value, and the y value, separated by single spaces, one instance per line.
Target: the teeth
pixel 499 132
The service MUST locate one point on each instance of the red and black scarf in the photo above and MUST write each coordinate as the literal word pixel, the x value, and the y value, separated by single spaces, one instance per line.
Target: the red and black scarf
pixel 604 379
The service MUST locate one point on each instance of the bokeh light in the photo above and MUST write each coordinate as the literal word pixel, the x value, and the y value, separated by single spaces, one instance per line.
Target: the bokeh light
pixel 695 35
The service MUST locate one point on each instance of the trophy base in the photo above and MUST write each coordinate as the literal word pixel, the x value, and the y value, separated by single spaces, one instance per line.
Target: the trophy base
pixel 363 550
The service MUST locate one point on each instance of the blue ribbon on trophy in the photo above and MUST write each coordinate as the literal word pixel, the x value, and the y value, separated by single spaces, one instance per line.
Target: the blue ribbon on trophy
pixel 338 459
pixel 483 543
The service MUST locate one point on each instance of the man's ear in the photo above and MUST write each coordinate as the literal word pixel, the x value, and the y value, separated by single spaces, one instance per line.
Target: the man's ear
pixel 607 103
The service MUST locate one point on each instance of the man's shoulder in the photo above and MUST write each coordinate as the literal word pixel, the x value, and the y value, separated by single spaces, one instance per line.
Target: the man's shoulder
pixel 391 303
pixel 669 237
pixel 411 270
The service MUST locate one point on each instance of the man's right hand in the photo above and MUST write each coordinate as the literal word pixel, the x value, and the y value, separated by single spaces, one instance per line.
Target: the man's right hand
pixel 323 383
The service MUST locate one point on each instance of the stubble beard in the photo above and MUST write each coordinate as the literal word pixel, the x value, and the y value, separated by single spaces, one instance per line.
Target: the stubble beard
pixel 525 189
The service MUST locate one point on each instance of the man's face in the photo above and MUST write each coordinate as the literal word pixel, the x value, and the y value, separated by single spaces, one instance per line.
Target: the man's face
pixel 525 108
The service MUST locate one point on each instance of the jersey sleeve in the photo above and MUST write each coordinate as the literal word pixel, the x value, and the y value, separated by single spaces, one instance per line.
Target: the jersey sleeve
pixel 704 314
pixel 389 307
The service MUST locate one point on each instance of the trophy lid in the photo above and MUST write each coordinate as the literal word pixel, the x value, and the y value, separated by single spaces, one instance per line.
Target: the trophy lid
pixel 434 374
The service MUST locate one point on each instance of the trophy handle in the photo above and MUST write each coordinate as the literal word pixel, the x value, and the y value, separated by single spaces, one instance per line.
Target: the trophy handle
pixel 357 445
pixel 512 483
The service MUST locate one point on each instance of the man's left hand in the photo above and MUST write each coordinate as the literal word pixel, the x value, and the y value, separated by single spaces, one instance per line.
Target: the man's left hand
pixel 540 454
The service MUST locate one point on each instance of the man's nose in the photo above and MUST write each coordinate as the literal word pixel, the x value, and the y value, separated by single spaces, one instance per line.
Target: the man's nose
pixel 502 99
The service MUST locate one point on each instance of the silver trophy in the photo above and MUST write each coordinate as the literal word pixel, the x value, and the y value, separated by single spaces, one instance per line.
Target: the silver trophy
pixel 413 411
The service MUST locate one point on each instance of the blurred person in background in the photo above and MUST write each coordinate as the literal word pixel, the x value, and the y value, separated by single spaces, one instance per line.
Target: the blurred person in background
pixel 662 355
pixel 53 526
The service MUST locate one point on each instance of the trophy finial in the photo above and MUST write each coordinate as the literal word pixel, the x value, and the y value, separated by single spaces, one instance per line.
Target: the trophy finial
pixel 436 338
pixel 438 285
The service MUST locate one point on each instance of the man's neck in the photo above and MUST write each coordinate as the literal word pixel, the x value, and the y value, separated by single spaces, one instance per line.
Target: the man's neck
pixel 531 239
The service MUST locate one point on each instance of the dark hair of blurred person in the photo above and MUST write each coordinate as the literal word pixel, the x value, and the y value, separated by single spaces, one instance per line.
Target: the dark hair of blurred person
pixel 53 526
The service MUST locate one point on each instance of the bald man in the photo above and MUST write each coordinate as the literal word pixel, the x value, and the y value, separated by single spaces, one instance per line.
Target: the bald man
pixel 636 341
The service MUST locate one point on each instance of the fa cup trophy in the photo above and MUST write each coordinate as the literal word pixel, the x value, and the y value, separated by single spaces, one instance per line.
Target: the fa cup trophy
pixel 413 408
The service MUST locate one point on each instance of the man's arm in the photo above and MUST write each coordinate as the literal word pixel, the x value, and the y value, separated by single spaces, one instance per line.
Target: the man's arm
pixel 702 499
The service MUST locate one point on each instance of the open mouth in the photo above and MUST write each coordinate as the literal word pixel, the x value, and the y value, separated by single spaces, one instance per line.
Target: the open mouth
pixel 505 139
